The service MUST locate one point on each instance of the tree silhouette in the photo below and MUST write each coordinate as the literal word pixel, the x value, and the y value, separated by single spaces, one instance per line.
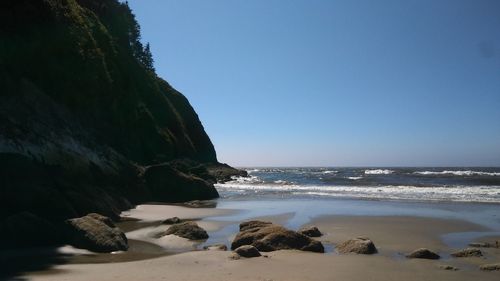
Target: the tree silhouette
pixel 147 58
pixel 141 53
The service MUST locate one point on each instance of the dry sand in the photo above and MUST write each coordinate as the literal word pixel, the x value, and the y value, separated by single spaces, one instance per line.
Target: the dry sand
pixel 281 265
pixel 148 212
pixel 392 235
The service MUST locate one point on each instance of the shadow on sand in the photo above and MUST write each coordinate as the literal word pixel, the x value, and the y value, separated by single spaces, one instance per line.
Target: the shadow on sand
pixel 14 263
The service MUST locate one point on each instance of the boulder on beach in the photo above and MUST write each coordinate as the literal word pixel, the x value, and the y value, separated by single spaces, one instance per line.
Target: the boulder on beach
pixel 360 245
pixel 216 247
pixel 172 220
pixel 247 251
pixel 468 252
pixel 311 231
pixel 96 233
pixel 423 253
pixel 490 267
pixel 189 230
pixel 267 237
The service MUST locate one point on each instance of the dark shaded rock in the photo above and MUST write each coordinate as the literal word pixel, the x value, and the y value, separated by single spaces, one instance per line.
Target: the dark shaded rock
pixel 468 252
pixel 267 237
pixel 448 267
pixel 189 230
pixel 96 233
pixel 191 167
pixel 311 231
pixel 172 220
pixel 81 127
pixel 106 220
pixel 27 230
pixel 27 186
pixel 423 253
pixel 490 267
pixel 216 247
pixel 360 245
pixel 223 172
pixel 247 251
pixel 170 185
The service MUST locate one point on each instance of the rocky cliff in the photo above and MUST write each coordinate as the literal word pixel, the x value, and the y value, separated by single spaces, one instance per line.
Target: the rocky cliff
pixel 85 123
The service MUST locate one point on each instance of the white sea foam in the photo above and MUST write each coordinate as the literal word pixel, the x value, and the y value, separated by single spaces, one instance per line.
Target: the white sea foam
pixel 354 178
pixel 329 172
pixel 281 182
pixel 253 171
pixel 249 179
pixel 429 193
pixel 459 173
pixel 378 172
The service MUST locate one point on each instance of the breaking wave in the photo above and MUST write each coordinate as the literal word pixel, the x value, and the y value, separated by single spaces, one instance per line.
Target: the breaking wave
pixel 378 172
pixel 457 173
pixel 419 193
pixel 444 184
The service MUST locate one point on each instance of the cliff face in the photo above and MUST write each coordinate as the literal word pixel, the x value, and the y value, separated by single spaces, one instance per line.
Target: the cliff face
pixel 83 116
pixel 84 56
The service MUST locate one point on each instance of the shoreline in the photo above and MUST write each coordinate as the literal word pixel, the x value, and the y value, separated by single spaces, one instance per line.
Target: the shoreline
pixel 394 235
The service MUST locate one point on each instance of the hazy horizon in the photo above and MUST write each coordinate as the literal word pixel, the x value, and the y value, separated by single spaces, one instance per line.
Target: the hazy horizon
pixel 335 83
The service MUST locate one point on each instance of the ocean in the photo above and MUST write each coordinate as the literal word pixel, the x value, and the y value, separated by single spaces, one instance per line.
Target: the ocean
pixel 414 184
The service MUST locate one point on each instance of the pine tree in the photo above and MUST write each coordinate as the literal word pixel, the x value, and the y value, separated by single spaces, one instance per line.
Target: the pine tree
pixel 147 59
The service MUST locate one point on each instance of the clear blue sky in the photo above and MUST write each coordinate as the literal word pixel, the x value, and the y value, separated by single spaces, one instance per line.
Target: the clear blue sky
pixel 342 83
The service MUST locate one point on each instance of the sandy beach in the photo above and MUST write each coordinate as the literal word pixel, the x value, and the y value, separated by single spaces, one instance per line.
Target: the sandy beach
pixel 249 140
pixel 394 236
pixel 280 265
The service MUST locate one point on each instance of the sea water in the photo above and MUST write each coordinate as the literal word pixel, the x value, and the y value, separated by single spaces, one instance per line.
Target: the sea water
pixel 413 184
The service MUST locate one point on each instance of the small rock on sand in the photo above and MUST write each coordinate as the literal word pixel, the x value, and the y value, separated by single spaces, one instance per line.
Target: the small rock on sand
pixel 423 253
pixel 172 220
pixel 360 245
pixel 448 267
pixel 247 251
pixel 189 230
pixel 468 252
pixel 490 267
pixel 311 231
pixel 216 247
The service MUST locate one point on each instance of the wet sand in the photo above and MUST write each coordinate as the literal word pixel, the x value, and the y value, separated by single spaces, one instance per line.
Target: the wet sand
pixel 393 235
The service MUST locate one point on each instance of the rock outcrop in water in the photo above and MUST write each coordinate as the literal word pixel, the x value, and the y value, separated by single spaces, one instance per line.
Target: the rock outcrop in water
pixel 85 123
